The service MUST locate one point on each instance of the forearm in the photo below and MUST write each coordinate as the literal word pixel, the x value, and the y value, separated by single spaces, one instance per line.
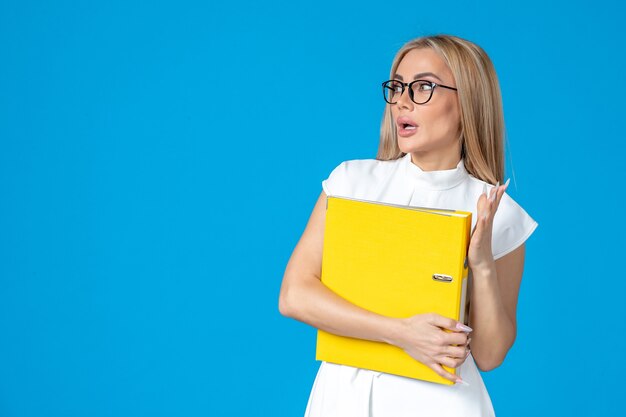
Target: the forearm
pixel 494 331
pixel 315 304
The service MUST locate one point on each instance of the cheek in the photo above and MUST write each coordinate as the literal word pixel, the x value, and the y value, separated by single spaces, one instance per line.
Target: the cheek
pixel 448 116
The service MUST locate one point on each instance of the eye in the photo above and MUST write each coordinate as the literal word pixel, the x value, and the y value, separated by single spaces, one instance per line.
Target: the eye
pixel 395 87
pixel 424 86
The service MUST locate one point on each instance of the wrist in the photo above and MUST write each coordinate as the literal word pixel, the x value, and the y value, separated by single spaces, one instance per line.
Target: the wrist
pixel 484 268
pixel 393 331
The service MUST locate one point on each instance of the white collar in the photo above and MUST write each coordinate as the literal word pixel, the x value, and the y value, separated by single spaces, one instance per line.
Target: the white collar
pixel 434 180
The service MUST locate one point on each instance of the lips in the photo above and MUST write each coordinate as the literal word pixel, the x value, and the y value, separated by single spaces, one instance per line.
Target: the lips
pixel 404 122
pixel 406 126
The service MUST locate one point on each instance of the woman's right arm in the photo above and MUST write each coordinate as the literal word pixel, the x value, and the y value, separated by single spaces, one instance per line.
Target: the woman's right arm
pixel 305 298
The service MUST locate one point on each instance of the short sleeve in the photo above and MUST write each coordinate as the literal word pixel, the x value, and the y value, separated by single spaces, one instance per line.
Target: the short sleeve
pixel 512 226
pixel 337 181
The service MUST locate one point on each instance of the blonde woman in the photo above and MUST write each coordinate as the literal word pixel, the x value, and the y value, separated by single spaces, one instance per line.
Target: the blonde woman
pixel 441 145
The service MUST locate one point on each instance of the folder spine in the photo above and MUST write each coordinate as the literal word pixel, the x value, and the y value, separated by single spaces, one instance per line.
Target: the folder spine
pixel 465 273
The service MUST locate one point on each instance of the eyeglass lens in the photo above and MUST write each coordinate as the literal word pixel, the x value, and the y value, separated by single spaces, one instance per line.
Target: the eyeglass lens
pixel 422 91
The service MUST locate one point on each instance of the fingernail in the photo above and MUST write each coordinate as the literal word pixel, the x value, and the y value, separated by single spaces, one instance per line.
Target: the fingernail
pixel 461 382
pixel 467 354
pixel 506 184
pixel 463 327
pixel 484 188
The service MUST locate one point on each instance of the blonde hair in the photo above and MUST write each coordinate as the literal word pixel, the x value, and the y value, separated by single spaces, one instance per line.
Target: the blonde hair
pixel 482 116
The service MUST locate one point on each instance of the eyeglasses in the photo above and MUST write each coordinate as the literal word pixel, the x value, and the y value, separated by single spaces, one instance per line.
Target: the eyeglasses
pixel 420 91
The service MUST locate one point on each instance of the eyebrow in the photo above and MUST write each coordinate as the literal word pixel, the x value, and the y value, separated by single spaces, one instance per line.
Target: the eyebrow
pixel 418 76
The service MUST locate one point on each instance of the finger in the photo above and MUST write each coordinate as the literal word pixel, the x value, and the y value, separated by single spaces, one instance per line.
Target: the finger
pixel 484 204
pixel 452 362
pixel 448 361
pixel 442 372
pixel 478 227
pixel 494 192
pixel 483 199
pixel 501 192
pixel 448 323
pixel 481 227
pixel 487 212
pixel 460 361
pixel 496 197
pixel 456 352
pixel 490 208
pixel 457 338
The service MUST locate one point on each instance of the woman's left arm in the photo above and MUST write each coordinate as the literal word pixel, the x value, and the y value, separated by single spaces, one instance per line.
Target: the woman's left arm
pixel 493 309
pixel 494 290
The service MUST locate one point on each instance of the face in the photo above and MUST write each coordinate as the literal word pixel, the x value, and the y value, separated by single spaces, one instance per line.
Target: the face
pixel 436 137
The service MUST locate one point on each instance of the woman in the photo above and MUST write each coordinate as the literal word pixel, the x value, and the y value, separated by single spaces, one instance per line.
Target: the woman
pixel 441 146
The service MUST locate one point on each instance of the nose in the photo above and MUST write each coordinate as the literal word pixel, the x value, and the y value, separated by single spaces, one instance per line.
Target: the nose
pixel 404 101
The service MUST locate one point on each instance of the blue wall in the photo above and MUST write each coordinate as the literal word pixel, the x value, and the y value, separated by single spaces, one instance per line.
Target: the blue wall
pixel 159 161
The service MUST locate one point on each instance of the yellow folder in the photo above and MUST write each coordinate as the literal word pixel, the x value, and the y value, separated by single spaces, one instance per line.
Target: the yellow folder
pixel 397 261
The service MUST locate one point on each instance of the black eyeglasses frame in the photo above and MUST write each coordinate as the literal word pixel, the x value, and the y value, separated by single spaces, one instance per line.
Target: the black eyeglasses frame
pixel 433 85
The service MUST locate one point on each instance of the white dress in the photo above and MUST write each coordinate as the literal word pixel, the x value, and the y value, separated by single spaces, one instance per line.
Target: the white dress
pixel 345 391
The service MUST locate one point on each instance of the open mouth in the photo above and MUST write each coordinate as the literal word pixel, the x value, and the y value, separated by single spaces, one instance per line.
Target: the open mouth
pixel 406 126
pixel 404 123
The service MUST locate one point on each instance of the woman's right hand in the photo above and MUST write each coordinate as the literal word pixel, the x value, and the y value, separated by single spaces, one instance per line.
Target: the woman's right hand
pixel 423 337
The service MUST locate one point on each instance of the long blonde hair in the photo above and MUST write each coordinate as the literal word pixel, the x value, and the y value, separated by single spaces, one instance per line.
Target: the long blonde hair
pixel 480 100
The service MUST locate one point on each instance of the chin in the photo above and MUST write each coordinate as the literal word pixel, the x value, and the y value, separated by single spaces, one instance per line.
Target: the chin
pixel 410 145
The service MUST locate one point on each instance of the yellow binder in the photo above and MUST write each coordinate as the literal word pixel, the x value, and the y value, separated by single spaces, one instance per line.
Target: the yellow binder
pixel 397 261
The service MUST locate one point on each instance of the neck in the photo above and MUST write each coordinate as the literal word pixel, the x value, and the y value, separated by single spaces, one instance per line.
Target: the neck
pixel 439 159
pixel 429 162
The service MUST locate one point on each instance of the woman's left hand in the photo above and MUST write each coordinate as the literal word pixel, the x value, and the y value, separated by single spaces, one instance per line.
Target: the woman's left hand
pixel 479 254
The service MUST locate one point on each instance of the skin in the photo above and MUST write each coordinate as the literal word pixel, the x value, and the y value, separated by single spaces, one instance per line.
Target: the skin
pixel 494 292
pixel 435 145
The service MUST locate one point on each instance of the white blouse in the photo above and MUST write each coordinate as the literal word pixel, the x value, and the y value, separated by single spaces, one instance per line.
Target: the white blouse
pixel 345 391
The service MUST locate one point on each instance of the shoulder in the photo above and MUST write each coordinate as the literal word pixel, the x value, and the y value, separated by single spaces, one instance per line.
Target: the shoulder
pixel 512 225
pixel 355 175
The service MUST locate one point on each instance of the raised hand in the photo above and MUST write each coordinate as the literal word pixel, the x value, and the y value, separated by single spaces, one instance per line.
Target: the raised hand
pixel 479 254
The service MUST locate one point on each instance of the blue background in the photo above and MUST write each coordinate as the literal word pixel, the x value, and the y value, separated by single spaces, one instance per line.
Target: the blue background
pixel 159 162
